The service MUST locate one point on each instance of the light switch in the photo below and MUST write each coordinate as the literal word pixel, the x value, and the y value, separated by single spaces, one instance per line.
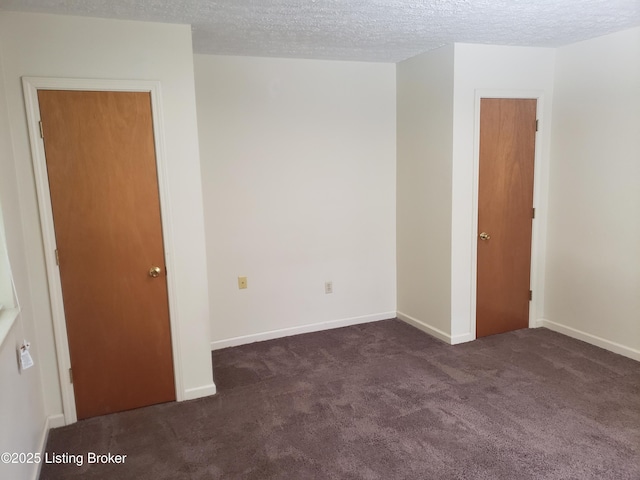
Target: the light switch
pixel 242 282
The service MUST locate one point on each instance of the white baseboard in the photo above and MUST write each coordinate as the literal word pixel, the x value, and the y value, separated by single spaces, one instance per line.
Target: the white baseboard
pixel 425 327
pixel 464 338
pixel 313 327
pixel 199 392
pixel 52 421
pixel 592 339
pixel 56 421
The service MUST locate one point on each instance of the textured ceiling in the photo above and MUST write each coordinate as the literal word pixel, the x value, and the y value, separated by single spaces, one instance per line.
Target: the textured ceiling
pixel 367 30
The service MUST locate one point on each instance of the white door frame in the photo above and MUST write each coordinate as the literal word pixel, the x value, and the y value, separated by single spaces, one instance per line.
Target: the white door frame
pixel 31 85
pixel 540 189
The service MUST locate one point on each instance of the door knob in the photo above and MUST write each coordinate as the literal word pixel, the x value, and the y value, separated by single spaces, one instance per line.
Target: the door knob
pixel 154 272
pixel 485 236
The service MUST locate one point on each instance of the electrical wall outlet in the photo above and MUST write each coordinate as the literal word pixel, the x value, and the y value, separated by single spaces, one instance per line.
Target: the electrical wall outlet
pixel 242 282
pixel 328 287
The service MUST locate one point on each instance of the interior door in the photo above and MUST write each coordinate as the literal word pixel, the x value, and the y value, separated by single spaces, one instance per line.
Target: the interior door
pixel 505 212
pixel 101 166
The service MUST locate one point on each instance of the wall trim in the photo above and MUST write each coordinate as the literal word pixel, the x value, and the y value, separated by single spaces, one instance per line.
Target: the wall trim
pixel 31 85
pixel 56 420
pixel 463 338
pixel 52 421
pixel 592 339
pixel 538 323
pixel 199 392
pixel 312 327
pixel 426 328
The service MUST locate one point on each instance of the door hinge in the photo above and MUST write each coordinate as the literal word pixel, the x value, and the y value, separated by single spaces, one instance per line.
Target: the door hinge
pixel 57 257
pixel 537 124
pixel 70 376
pixel 533 213
pixel 530 295
pixel 41 129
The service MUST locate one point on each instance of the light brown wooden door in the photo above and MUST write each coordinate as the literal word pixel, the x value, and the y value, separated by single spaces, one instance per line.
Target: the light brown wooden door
pixel 101 165
pixel 505 207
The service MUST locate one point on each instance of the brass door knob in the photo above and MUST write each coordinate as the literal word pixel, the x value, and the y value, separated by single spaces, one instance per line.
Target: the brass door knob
pixel 485 236
pixel 154 272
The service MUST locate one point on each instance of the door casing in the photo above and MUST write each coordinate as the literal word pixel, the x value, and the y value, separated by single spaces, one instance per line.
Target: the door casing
pixel 539 202
pixel 31 85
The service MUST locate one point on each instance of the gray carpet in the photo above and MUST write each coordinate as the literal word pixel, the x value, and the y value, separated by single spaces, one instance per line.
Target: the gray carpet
pixel 384 401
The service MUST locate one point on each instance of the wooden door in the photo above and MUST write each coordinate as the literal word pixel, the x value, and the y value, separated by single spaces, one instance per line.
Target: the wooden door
pixel 505 208
pixel 101 165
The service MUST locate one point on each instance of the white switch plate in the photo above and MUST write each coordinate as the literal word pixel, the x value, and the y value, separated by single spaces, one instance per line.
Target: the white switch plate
pixel 328 287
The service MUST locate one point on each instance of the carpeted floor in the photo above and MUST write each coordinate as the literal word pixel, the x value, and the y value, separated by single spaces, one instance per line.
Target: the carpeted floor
pixel 383 401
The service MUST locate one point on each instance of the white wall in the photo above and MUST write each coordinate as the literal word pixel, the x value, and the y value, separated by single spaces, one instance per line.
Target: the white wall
pixel 22 410
pixel 424 161
pixel 593 251
pixel 6 290
pixel 61 46
pixel 507 71
pixel 298 170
